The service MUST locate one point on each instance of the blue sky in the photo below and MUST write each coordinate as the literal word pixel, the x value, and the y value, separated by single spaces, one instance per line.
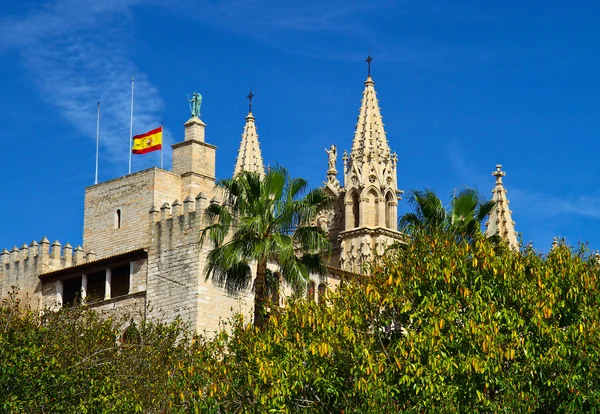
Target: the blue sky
pixel 462 86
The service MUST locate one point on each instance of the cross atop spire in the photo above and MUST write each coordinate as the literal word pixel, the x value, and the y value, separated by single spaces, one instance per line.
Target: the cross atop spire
pixel 369 60
pixel 498 174
pixel 250 96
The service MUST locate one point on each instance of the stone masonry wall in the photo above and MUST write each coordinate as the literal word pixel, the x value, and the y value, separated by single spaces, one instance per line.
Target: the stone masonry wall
pixel 176 282
pixel 132 195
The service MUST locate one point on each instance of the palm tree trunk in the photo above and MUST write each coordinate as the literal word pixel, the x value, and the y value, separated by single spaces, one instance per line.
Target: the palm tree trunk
pixel 259 294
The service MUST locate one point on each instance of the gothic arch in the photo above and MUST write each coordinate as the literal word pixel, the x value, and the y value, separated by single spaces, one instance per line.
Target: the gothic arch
pixel 370 207
pixel 390 211
pixel 310 291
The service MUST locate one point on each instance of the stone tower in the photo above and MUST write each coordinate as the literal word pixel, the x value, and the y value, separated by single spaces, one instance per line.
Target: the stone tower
pixel 369 196
pixel 500 222
pixel 194 160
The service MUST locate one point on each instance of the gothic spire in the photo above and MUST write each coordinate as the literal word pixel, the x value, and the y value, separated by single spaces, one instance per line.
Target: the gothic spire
pixel 370 144
pixel 249 156
pixel 500 222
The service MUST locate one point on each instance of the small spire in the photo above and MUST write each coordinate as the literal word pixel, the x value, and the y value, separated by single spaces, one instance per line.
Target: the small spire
pixel 500 222
pixel 369 60
pixel 249 156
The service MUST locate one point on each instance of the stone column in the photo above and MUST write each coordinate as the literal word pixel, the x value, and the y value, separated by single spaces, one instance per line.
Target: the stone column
pixel 107 283
pixel 84 281
pixel 130 278
pixel 59 293
pixel 348 216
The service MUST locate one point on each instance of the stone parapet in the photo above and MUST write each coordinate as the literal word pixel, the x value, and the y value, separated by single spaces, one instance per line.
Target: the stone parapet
pixel 20 268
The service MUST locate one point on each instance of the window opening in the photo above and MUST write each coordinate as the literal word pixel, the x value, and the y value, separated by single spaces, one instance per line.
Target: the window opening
pixel 71 291
pixel 118 219
pixel 119 283
pixel 321 292
pixel 355 209
pixel 310 291
pixel 96 286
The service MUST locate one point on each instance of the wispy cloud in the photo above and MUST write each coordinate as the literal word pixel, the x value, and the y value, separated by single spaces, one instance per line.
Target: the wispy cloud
pixel 341 30
pixel 549 205
pixel 78 54
pixel 330 30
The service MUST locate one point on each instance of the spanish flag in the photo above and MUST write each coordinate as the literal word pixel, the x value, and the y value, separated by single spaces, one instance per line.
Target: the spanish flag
pixel 148 142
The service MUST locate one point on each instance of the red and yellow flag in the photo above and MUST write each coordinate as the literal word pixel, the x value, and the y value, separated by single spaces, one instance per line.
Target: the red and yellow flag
pixel 148 142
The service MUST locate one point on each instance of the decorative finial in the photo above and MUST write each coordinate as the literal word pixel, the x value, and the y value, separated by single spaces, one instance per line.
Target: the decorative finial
pixel 250 96
pixel 369 60
pixel 498 173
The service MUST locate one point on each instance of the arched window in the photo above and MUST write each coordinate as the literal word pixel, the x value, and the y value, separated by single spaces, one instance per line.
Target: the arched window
pixel 132 335
pixel 310 291
pixel 371 209
pixel 321 292
pixel 355 209
pixel 118 219
pixel 390 220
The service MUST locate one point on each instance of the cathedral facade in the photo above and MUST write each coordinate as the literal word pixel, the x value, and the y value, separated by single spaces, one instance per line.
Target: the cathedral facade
pixel 140 248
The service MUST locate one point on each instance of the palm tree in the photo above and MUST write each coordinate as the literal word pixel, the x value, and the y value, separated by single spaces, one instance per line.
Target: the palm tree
pixel 468 210
pixel 429 215
pixel 463 219
pixel 264 221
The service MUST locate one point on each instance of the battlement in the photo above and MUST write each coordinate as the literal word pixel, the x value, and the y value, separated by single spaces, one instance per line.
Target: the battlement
pixel 187 213
pixel 21 267
pixel 178 223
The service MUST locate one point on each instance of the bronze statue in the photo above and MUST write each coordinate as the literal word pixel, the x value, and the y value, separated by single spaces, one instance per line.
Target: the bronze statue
pixel 195 104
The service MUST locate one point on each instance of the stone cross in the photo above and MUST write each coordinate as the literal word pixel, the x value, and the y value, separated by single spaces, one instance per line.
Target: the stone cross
pixel 498 174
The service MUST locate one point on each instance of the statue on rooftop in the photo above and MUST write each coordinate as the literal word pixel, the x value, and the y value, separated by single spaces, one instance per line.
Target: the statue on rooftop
pixel 195 104
pixel 332 157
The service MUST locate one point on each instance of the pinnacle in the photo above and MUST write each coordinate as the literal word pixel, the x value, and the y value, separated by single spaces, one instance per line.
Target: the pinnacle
pixel 249 155
pixel 370 142
pixel 500 222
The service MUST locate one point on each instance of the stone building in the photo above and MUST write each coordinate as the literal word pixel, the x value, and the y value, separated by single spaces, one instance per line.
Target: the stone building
pixel 140 239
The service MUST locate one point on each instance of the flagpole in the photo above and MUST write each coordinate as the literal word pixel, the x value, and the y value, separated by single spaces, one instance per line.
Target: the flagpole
pixel 131 126
pixel 162 143
pixel 97 141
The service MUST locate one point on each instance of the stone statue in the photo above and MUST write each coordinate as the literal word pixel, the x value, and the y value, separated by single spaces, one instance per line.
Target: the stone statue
pixel 352 257
pixel 343 258
pixel 195 104
pixel 324 219
pixel 365 249
pixel 380 246
pixel 332 154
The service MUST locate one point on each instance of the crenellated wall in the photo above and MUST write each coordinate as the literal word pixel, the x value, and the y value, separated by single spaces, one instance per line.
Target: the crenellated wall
pixel 176 281
pixel 20 268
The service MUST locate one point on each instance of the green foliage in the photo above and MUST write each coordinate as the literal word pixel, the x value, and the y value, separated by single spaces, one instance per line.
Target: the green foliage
pixel 77 360
pixel 462 219
pixel 440 326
